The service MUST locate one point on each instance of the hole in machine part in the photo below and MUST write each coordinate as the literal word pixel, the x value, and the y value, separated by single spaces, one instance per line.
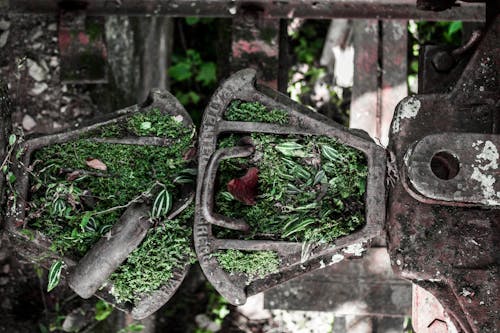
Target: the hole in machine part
pixel 445 165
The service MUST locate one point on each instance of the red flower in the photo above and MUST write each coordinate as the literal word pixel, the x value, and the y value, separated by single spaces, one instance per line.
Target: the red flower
pixel 244 189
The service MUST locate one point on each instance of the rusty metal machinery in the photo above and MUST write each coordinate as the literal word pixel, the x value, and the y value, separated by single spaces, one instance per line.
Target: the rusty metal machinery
pixel 443 220
pixel 434 192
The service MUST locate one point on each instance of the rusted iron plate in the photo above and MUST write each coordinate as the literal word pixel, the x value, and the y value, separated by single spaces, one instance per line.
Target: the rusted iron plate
pixel 241 86
pixel 37 247
pixel 325 9
pixel 450 251
pixel 455 169
pixel 82 48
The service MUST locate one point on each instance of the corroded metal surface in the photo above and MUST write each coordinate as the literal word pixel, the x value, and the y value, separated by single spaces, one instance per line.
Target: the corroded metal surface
pixel 234 288
pixel 463 171
pixel 451 251
pixel 36 248
pixel 380 9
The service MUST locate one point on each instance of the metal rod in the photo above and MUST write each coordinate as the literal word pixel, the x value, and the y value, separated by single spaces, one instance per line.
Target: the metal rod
pixel 319 9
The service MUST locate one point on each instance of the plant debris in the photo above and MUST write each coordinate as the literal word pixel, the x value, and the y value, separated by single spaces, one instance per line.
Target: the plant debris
pixel 96 164
pixel 244 189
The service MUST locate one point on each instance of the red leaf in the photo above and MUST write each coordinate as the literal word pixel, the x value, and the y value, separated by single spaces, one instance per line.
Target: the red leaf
pixel 244 189
pixel 94 163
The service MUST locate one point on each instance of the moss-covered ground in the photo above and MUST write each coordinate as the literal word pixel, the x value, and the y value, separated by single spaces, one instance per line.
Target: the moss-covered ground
pixel 254 111
pixel 310 188
pixel 253 264
pixel 75 205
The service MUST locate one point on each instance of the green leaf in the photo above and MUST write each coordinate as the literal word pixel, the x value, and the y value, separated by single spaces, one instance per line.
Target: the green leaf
pixel 331 153
pixel 320 175
pixel 146 125
pixel 162 204
pixel 192 20
pixel 85 220
pixel 54 275
pixel 12 139
pixel 291 148
pixel 227 196
pixel 454 27
pixel 180 71
pixel 102 310
pixel 10 177
pixel 207 74
pixel 5 168
pixel 298 227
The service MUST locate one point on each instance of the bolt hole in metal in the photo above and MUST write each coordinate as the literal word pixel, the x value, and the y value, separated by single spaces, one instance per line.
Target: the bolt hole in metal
pixel 445 165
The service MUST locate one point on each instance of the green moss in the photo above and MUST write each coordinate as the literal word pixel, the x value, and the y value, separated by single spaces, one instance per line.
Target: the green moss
pixel 75 214
pixel 252 263
pixel 165 249
pixel 254 111
pixel 309 189
pixel 154 123
pixel 149 123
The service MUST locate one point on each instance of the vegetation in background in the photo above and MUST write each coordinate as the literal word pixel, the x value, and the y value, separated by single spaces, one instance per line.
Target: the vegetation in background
pixel 165 249
pixel 310 188
pixel 307 38
pixel 252 263
pixel 193 71
pixel 254 111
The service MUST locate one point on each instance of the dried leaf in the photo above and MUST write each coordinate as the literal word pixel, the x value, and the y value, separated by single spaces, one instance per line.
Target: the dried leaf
pixel 73 175
pixel 94 163
pixel 244 189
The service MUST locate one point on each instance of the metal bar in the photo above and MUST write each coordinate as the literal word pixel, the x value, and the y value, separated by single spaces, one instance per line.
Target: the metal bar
pixel 325 9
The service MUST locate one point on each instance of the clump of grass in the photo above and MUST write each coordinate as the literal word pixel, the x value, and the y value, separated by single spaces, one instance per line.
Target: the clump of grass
pixel 165 249
pixel 252 263
pixel 74 214
pixel 310 189
pixel 254 111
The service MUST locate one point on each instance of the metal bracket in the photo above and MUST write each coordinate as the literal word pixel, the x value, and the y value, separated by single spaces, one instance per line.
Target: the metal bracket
pixel 241 86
